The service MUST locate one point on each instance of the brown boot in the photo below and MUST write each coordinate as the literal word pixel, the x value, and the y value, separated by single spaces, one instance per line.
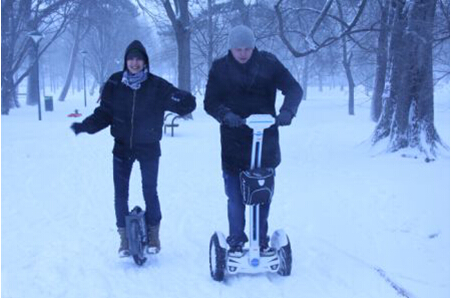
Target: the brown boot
pixel 154 246
pixel 123 248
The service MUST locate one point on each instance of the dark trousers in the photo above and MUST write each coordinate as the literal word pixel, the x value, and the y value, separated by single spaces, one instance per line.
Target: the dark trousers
pixel 122 168
pixel 236 212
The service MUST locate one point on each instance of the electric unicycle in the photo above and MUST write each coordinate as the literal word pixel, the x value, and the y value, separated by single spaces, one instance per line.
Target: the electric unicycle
pixel 135 227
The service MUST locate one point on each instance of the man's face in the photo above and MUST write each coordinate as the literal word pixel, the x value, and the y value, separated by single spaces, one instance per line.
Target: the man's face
pixel 242 55
pixel 135 65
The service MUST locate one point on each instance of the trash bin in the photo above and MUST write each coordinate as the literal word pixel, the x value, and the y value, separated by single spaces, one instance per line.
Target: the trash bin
pixel 48 102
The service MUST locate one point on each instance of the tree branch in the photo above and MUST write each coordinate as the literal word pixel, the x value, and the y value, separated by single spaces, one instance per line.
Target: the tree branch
pixel 446 74
pixel 327 41
pixel 282 33
pixel 445 12
pixel 153 16
pixel 170 12
pixel 319 20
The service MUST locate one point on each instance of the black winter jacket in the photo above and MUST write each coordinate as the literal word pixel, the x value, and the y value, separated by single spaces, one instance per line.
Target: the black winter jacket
pixel 247 89
pixel 136 116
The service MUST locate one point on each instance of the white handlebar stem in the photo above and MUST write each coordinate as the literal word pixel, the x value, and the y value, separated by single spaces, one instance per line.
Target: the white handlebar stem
pixel 258 123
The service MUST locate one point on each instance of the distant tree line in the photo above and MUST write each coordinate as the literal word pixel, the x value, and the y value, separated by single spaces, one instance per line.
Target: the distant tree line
pixel 397 49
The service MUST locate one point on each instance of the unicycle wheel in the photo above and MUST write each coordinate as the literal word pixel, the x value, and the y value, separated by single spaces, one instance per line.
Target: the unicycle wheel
pixel 136 244
pixel 138 260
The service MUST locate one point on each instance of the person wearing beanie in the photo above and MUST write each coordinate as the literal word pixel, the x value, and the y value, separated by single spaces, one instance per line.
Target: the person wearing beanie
pixel 241 37
pixel 242 83
pixel 132 103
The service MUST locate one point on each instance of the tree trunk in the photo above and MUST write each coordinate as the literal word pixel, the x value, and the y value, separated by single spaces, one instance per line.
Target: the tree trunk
pixel 7 75
pixel 210 35
pixel 7 91
pixel 184 47
pixel 43 79
pixel 408 113
pixel 347 66
pixel 244 11
pixel 381 62
pixel 184 59
pixel 305 73
pixel 351 86
pixel 181 24
pixel 73 59
pixel 93 87
pixel 33 92
pixel 320 82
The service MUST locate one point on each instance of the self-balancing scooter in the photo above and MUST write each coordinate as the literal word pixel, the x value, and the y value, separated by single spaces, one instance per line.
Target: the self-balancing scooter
pixel 252 261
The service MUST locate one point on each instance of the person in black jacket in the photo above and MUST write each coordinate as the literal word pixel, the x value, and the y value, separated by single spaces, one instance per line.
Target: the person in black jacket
pixel 133 102
pixel 242 83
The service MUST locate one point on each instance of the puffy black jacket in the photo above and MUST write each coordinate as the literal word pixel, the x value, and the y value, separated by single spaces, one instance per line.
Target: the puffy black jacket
pixel 247 89
pixel 136 116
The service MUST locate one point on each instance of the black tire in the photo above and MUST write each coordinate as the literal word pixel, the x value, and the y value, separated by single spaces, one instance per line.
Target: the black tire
pixel 139 260
pixel 136 245
pixel 285 259
pixel 217 259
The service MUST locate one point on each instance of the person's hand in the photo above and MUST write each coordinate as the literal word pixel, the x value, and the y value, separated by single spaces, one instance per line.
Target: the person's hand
pixel 284 118
pixel 233 120
pixel 77 127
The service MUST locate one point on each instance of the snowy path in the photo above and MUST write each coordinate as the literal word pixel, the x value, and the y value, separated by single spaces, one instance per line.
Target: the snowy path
pixel 360 224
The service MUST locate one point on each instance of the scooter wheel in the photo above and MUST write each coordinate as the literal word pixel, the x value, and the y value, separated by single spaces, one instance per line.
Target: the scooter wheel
pixel 217 259
pixel 285 259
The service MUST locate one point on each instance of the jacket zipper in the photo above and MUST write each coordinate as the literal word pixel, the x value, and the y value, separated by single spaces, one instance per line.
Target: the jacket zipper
pixel 133 116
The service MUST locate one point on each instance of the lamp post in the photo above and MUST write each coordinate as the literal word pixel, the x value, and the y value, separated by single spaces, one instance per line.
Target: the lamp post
pixel 84 53
pixel 36 36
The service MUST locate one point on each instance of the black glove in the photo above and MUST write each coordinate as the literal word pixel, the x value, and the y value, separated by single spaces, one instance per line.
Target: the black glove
pixel 233 120
pixel 77 127
pixel 284 118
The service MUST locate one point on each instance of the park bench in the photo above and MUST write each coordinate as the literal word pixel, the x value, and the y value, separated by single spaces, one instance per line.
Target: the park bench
pixel 169 122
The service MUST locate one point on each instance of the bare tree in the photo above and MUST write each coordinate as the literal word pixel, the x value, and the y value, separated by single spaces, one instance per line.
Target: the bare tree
pixel 33 11
pixel 347 58
pixel 51 21
pixel 441 41
pixel 79 32
pixel 334 28
pixel 179 16
pixel 114 28
pixel 381 64
pixel 209 37
pixel 407 118
pixel 103 23
pixel 244 11
pixel 309 35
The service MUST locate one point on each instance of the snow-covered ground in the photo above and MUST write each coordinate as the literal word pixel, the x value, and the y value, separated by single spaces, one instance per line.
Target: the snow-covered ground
pixel 361 223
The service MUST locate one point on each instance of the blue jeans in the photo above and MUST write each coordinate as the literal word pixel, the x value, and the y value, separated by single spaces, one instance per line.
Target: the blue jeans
pixel 122 168
pixel 236 212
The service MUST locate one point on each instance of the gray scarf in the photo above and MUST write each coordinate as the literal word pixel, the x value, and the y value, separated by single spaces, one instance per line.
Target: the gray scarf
pixel 134 80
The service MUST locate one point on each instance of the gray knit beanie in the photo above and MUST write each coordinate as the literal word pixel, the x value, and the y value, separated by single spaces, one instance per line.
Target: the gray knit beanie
pixel 241 37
